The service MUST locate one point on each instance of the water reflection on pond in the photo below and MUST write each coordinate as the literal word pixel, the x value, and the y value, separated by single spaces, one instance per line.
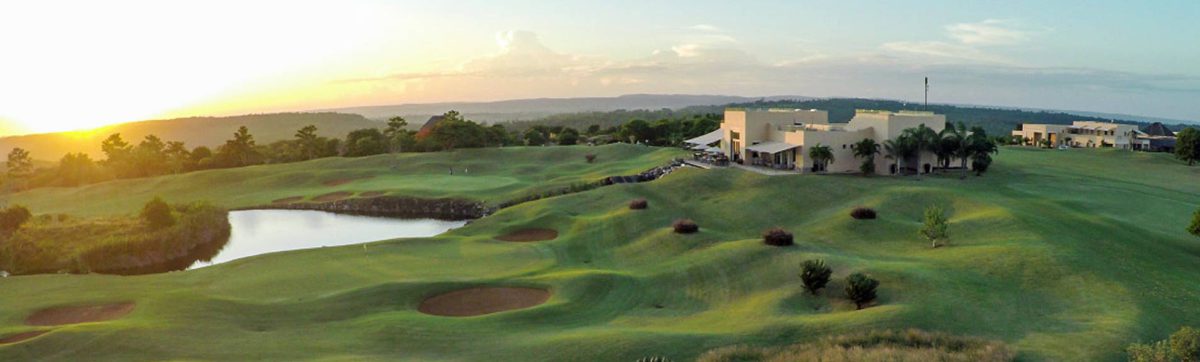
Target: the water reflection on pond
pixel 265 231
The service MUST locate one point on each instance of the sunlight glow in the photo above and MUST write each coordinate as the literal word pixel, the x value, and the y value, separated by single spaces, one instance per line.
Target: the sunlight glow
pixel 97 63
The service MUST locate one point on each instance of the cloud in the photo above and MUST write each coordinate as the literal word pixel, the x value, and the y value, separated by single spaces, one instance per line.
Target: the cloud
pixel 971 41
pixel 705 27
pixel 988 32
pixel 524 67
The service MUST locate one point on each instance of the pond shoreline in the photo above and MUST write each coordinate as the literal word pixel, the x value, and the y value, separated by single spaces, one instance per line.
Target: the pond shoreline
pixel 392 206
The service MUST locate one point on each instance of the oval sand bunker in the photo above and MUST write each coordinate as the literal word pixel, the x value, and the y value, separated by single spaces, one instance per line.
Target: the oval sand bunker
pixel 483 300
pixel 79 314
pixel 527 235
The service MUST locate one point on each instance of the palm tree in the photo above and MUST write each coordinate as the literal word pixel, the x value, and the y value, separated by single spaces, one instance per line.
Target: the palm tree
pixel 821 155
pixel 891 151
pixel 981 149
pixel 866 150
pixel 962 144
pixel 923 139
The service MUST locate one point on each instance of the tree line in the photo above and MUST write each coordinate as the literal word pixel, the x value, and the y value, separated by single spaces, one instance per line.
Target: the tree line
pixel 153 156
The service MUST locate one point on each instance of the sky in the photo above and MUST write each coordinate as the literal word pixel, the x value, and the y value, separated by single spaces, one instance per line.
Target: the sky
pixel 81 64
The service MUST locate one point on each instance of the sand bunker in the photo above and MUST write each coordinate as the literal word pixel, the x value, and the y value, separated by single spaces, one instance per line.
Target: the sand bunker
pixel 14 338
pixel 343 181
pixel 527 235
pixel 482 300
pixel 79 314
pixel 333 196
pixel 288 200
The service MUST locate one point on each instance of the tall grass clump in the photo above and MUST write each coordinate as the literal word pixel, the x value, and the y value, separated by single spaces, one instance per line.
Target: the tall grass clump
pixel 887 345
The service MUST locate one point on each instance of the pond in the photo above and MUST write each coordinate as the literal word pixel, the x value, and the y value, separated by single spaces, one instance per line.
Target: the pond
pixel 255 232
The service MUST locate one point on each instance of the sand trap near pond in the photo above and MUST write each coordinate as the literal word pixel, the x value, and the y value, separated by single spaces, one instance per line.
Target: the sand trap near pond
pixel 79 314
pixel 20 337
pixel 528 235
pixel 483 300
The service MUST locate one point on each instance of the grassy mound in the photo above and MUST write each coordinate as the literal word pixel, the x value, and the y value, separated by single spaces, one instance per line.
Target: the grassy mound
pixel 911 345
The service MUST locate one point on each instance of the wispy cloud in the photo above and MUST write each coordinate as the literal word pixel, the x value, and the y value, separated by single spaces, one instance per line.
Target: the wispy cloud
pixel 971 41
pixel 988 32
pixel 704 27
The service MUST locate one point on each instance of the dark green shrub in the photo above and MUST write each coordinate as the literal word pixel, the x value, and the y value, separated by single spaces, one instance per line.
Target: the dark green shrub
pixel 863 213
pixel 685 226
pixel 590 158
pixel 158 214
pixel 778 237
pixel 1185 344
pixel 815 275
pixel 1153 352
pixel 860 289
pixel 1194 228
pixel 12 218
pixel 639 204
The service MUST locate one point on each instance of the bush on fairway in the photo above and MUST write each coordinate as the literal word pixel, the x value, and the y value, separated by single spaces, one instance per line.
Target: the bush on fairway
pixel 591 157
pixel 1183 345
pixel 685 226
pixel 1194 228
pixel 639 204
pixel 863 213
pixel 13 217
pixel 815 275
pixel 778 237
pixel 860 289
pixel 158 214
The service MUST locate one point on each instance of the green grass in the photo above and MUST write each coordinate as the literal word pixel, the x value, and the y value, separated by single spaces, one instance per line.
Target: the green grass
pixel 492 175
pixel 1063 255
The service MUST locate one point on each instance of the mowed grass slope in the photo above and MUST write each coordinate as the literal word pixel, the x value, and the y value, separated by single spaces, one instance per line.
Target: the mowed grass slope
pixel 1065 255
pixel 491 175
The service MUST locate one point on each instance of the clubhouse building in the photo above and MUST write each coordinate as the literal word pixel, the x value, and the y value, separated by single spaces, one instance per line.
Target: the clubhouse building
pixel 1091 134
pixel 780 138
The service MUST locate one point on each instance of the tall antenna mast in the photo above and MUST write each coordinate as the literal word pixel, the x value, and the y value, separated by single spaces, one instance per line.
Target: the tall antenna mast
pixel 926 93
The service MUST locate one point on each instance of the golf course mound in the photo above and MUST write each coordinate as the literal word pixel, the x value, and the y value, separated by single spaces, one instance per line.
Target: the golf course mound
pixel 333 196
pixel 19 337
pixel 288 200
pixel 529 235
pixel 79 314
pixel 483 300
pixel 373 194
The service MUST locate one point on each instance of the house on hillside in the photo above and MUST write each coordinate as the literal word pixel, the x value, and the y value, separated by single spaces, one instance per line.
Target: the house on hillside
pixel 780 138
pixel 1156 138
pixel 428 127
pixel 1091 134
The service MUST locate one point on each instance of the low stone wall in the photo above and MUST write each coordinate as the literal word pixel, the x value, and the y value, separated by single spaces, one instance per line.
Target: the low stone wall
pixel 391 206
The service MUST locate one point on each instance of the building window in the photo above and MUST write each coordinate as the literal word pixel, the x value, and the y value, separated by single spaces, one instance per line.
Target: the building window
pixel 735 135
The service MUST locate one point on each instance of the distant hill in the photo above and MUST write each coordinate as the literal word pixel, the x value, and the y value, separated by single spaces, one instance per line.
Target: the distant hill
pixel 530 109
pixel 194 131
